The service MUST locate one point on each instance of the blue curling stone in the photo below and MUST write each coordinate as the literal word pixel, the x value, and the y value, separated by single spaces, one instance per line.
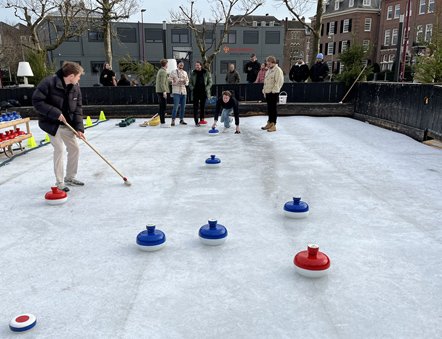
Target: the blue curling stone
pixel 151 239
pixel 213 234
pixel 213 131
pixel 213 161
pixel 296 209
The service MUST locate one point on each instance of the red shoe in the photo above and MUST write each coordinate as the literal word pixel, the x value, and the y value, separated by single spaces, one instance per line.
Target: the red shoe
pixel 203 122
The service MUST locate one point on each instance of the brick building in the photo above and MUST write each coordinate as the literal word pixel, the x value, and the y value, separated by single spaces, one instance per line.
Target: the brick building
pixel 422 21
pixel 346 22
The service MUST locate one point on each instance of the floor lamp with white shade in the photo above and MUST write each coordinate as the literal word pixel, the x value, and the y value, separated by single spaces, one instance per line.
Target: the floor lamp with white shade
pixel 25 70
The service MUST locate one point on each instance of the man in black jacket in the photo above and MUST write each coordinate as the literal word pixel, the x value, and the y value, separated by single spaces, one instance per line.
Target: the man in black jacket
pixel 225 105
pixel 319 71
pixel 57 100
pixel 252 68
pixel 299 71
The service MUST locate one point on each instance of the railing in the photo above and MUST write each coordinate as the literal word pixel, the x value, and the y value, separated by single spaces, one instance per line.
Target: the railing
pixel 408 106
pixel 325 92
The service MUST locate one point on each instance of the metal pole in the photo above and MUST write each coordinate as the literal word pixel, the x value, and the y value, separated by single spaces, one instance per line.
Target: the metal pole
pixel 142 34
pixel 164 40
pixel 398 49
pixel 406 37
pixel 332 36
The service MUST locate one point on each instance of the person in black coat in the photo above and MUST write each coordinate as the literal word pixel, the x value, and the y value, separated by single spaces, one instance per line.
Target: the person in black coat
pixel 57 100
pixel 299 71
pixel 319 71
pixel 124 81
pixel 225 105
pixel 251 69
pixel 107 76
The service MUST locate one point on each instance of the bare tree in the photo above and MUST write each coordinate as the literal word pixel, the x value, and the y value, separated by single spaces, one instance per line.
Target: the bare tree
pixel 297 8
pixel 222 16
pixel 67 18
pixel 110 11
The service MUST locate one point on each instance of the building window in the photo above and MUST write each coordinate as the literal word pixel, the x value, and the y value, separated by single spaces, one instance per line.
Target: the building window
pixel 95 36
pixel 336 5
pixel 224 65
pixel 391 58
pixel 230 37
pixel 387 37
pixel 153 35
pixel 127 34
pixel 366 45
pixel 397 11
pixel 250 37
pixel 367 25
pixel 97 66
pixel 394 34
pixel 366 3
pixel 332 28
pixel 428 32
pixel 430 6
pixel 272 37
pixel 389 12
pixel 209 37
pixel 341 68
pixel 419 33
pixel 60 31
pixel 346 26
pixel 344 45
pixel 422 6
pixel 330 48
pixel 351 3
pixel 180 36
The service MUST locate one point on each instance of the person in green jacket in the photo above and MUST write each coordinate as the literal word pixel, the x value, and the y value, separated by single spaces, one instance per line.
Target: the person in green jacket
pixel 162 88
pixel 200 84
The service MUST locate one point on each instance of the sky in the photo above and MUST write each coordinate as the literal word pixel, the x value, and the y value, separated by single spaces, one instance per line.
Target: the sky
pixel 159 11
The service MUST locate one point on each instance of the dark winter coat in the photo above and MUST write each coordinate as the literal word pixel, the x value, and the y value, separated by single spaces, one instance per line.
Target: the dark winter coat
pixel 52 98
pixel 232 77
pixel 319 71
pixel 232 103
pixel 106 77
pixel 253 73
pixel 207 83
pixel 299 72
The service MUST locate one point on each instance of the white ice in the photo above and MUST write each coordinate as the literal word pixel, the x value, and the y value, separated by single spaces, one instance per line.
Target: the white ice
pixel 375 200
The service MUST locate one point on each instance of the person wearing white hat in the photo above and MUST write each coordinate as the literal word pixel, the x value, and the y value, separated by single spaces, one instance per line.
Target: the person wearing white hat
pixel 319 71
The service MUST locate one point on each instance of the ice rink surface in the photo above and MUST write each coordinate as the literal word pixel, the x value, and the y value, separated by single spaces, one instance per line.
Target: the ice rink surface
pixel 375 200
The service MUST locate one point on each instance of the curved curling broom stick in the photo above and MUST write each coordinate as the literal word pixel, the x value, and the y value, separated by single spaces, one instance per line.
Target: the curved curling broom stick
pixel 126 182
pixel 353 84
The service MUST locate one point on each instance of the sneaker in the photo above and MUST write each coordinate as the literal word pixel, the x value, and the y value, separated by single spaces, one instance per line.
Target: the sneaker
pixel 163 125
pixel 144 124
pixel 197 124
pixel 182 122
pixel 172 123
pixel 73 182
pixel 237 132
pixel 226 129
pixel 203 122
pixel 63 187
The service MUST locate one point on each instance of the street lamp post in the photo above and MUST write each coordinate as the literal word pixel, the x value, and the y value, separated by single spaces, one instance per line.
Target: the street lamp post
pixel 164 39
pixel 397 67
pixel 332 37
pixel 142 34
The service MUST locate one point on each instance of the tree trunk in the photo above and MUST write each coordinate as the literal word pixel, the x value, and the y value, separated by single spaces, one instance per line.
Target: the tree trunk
pixel 317 31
